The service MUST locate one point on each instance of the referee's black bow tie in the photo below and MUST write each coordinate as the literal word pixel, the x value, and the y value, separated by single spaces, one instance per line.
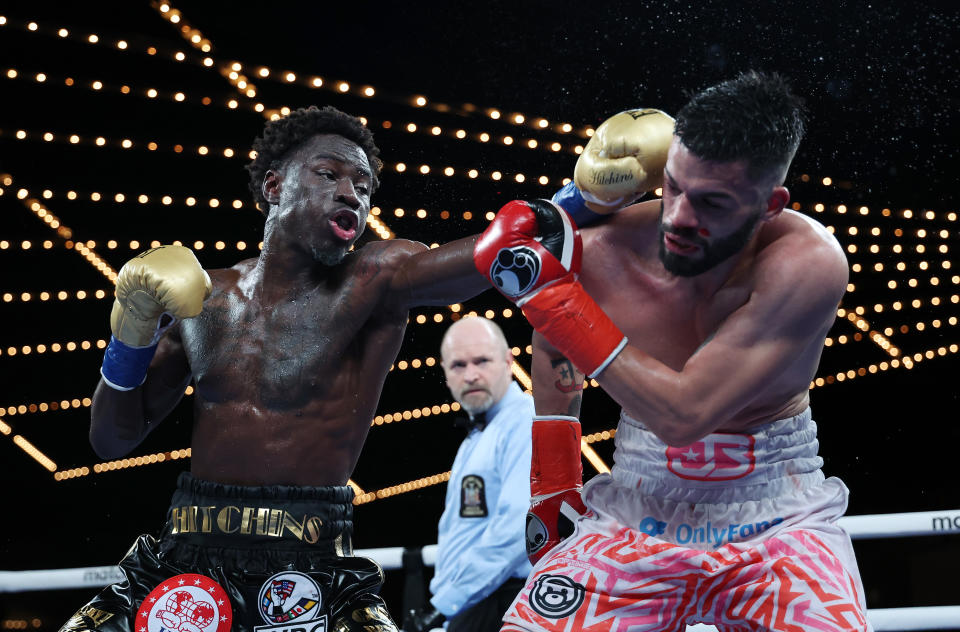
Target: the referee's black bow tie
pixel 478 421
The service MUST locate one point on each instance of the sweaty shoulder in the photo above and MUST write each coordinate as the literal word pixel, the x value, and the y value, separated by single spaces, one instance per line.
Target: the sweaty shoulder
pixel 795 249
pixel 392 253
pixel 224 279
pixel 630 226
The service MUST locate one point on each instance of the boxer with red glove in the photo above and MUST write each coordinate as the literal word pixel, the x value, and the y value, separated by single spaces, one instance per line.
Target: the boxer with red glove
pixel 531 252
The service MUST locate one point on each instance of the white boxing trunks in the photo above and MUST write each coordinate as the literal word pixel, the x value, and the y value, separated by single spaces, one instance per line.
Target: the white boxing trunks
pixel 736 530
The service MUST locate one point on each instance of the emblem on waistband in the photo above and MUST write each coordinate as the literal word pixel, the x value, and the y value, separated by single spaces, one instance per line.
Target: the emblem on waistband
pixel 186 603
pixel 556 596
pixel 291 597
pixel 716 457
pixel 473 498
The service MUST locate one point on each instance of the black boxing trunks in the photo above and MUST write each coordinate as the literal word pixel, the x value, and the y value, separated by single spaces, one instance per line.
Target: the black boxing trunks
pixel 275 558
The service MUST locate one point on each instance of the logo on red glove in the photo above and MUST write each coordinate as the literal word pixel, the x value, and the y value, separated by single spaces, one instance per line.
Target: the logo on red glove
pixel 515 270
pixel 537 534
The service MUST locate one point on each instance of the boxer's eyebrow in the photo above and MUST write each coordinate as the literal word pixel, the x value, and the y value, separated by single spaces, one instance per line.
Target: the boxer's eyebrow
pixel 713 196
pixel 667 173
pixel 363 171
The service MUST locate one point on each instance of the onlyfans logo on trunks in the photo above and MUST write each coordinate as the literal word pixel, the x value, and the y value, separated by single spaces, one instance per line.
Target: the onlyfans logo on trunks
pixel 716 457
pixel 291 602
pixel 713 535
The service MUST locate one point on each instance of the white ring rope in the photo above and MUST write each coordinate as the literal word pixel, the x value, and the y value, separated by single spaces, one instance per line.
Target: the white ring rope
pixel 895 619
pixel 896 525
pixel 902 525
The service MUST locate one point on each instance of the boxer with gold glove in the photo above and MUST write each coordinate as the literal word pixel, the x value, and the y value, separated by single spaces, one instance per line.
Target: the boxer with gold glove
pixel 155 289
pixel 623 160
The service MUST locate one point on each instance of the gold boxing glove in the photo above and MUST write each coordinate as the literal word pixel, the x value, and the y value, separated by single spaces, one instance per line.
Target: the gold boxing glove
pixel 624 159
pixel 165 280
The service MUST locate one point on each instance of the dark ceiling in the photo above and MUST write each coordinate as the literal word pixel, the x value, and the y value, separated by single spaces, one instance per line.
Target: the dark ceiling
pixel 880 82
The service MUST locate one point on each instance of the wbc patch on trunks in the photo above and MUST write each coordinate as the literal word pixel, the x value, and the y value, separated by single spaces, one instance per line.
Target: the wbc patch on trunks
pixel 473 497
pixel 186 602
pixel 290 598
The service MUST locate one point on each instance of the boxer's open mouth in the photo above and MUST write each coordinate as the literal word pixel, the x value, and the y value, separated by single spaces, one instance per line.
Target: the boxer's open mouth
pixel 679 246
pixel 344 224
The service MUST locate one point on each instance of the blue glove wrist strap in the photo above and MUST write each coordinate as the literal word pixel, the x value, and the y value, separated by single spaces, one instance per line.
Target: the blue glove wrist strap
pixel 570 199
pixel 125 367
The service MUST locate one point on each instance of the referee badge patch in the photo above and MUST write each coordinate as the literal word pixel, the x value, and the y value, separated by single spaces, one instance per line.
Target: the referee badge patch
pixel 473 497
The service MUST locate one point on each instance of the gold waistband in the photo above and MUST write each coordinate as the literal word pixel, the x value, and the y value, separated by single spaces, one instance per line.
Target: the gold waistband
pixel 242 520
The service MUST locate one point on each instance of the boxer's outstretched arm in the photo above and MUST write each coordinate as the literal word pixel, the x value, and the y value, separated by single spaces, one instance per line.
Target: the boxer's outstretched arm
pixel 439 276
pixel 788 314
pixel 557 384
pixel 120 420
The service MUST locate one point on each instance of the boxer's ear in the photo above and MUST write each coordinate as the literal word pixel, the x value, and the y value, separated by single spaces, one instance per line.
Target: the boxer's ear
pixel 272 185
pixel 779 198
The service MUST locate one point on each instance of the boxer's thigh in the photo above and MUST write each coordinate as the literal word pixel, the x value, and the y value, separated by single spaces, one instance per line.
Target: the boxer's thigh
pixel 356 605
pixel 613 580
pixel 365 613
pixel 799 579
pixel 115 608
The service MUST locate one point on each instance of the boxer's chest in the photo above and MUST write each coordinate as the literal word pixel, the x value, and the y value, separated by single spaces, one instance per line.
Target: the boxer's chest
pixel 661 315
pixel 285 352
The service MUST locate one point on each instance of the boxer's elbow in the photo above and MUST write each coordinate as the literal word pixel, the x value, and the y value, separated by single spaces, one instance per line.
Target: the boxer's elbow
pixel 104 448
pixel 678 435
pixel 685 425
pixel 108 444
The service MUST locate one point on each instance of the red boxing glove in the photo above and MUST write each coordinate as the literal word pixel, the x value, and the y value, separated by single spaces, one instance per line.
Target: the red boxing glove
pixel 531 252
pixel 527 246
pixel 573 323
pixel 556 477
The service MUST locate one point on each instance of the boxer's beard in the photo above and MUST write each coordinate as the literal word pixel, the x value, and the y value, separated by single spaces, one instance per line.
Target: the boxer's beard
pixel 712 253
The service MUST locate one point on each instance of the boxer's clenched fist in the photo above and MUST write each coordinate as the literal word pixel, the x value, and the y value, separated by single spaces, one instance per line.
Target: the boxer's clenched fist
pixel 624 159
pixel 531 253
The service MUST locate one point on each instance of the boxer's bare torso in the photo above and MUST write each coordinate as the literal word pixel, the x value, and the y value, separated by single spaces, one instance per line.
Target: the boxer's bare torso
pixel 669 320
pixel 670 317
pixel 289 354
pixel 287 381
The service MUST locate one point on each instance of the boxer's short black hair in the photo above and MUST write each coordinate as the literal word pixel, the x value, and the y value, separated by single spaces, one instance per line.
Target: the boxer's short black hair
pixel 754 117
pixel 282 135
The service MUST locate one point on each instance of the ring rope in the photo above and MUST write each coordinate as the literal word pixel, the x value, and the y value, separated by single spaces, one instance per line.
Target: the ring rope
pixel 864 527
